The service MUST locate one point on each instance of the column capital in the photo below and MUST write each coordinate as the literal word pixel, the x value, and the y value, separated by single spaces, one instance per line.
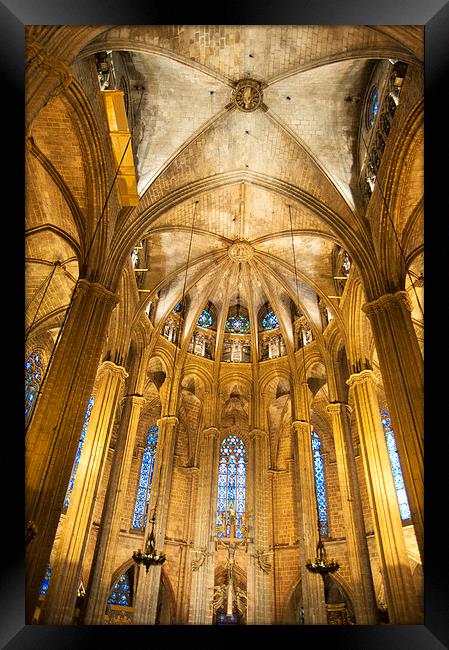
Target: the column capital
pixel 135 399
pixel 167 419
pixel 98 289
pixel 112 368
pixel 386 301
pixel 257 433
pixel 211 432
pixel 300 424
pixel 337 407
pixel 360 377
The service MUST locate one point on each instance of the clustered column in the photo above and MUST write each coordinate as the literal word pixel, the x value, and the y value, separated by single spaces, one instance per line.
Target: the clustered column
pixel 53 434
pixel 148 583
pixel 114 504
pixel 200 612
pixel 364 600
pixel 260 606
pixel 396 573
pixel 402 368
pixel 59 604
pixel 312 585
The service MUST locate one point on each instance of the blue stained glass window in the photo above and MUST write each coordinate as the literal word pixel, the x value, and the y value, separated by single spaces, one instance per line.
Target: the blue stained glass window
pixel 395 465
pixel 34 371
pixel 178 307
pixel 121 593
pixel 78 453
pixel 45 583
pixel 205 319
pixel 269 321
pixel 237 325
pixel 232 480
pixel 373 107
pixel 320 486
pixel 145 479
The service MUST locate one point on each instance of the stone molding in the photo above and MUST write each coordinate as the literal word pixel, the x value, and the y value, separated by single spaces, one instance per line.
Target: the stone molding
pixel 385 301
pixel 360 377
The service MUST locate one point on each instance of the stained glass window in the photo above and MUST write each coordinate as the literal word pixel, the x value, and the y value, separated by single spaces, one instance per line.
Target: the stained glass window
pixel 318 466
pixel 78 453
pixel 237 325
pixel 373 107
pixel 121 593
pixel 205 319
pixel 395 466
pixel 177 307
pixel 34 371
pixel 45 583
pixel 269 321
pixel 232 479
pixel 145 479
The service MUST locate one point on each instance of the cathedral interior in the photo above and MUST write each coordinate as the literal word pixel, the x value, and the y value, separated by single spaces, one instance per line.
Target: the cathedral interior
pixel 224 325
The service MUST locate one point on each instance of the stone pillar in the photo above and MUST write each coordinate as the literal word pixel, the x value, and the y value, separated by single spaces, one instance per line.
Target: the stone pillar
pixel 115 500
pixel 59 605
pixel 202 582
pixel 260 600
pixel 402 369
pixel 53 433
pixel 185 555
pixel 312 585
pixel 147 589
pixel 364 601
pixel 397 577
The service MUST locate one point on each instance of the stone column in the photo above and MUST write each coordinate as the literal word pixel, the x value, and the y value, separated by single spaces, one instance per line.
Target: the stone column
pixel 53 433
pixel 312 585
pixel 364 601
pixel 202 582
pixel 59 604
pixel 397 577
pixel 260 601
pixel 147 589
pixel 402 369
pixel 115 500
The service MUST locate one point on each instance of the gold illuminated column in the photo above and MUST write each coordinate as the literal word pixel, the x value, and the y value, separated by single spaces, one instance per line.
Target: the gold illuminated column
pixel 200 612
pixel 312 585
pixel 59 604
pixel 396 573
pixel 364 600
pixel 115 500
pixel 402 369
pixel 148 583
pixel 260 600
pixel 53 434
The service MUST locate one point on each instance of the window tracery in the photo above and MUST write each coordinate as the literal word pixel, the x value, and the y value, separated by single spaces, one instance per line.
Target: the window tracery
pixel 231 481
pixel 320 485
pixel 395 465
pixel 34 372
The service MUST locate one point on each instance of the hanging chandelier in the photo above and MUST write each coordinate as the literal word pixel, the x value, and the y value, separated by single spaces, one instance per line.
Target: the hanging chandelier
pixel 150 556
pixel 321 564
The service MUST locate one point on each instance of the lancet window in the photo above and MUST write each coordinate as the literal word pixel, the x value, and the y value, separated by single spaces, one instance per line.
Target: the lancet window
pixel 395 465
pixel 231 482
pixel 145 479
pixel 320 484
pixel 122 591
pixel 78 453
pixel 34 372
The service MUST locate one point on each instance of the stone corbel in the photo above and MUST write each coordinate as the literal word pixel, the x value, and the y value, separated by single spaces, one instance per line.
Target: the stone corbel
pixel 264 560
pixel 201 554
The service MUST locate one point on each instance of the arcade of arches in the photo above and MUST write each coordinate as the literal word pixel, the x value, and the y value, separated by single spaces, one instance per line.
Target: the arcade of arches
pixel 224 324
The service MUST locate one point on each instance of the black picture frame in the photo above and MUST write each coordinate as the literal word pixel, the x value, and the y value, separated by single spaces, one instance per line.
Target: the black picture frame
pixel 434 15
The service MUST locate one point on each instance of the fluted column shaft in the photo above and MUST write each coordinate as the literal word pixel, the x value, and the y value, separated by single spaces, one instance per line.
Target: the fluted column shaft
pixel 364 601
pixel 53 434
pixel 108 534
pixel 148 583
pixel 312 585
pixel 200 612
pixel 260 601
pixel 397 578
pixel 402 369
pixel 59 604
